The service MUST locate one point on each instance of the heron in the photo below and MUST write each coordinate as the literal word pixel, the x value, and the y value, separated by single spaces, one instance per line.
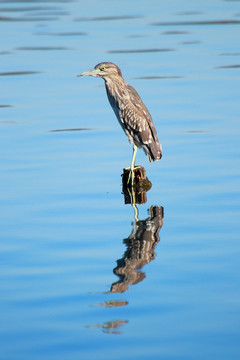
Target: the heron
pixel 130 111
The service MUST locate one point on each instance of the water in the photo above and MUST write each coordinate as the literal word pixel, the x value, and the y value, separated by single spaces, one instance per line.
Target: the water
pixel 80 279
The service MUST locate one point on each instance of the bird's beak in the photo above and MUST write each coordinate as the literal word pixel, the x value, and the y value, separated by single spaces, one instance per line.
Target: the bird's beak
pixel 93 72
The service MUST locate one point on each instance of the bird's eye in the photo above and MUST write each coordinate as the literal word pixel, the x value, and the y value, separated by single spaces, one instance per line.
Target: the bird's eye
pixel 102 68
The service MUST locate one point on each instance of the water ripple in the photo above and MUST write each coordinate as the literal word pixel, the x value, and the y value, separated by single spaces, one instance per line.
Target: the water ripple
pixel 107 18
pixel 176 32
pixel 70 33
pixel 7 18
pixel 235 66
pixel 202 22
pixel 73 129
pixel 153 77
pixel 41 48
pixel 139 50
pixel 230 54
pixel 10 73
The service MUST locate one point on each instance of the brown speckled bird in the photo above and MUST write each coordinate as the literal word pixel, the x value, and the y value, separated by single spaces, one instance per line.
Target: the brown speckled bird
pixel 130 111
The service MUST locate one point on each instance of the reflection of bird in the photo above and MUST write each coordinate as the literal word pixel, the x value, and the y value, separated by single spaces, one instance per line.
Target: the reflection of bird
pixel 140 244
pixel 131 112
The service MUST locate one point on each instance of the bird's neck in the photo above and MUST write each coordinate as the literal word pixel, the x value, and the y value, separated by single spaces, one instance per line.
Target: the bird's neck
pixel 115 86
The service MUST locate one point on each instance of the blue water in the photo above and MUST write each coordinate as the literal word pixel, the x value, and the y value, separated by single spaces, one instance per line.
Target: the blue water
pixel 80 278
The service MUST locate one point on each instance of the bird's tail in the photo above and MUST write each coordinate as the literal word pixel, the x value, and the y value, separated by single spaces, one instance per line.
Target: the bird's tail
pixel 154 151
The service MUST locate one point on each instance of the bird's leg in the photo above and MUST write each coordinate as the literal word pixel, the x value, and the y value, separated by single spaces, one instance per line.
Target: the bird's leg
pixel 131 172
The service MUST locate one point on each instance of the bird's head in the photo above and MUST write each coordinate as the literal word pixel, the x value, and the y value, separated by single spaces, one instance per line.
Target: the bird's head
pixel 104 70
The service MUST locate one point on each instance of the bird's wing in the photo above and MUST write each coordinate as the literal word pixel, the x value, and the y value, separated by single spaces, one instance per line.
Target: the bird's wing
pixel 141 110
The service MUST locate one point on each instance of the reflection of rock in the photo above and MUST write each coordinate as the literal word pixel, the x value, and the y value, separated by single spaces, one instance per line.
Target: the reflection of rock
pixel 110 326
pixel 140 250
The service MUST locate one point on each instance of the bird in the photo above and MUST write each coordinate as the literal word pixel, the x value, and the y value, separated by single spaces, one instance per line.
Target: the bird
pixel 130 111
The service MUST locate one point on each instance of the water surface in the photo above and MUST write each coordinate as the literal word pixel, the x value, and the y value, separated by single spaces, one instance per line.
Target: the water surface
pixel 81 276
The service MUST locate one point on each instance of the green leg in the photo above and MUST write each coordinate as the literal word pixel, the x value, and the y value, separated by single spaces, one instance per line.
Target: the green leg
pixel 131 172
pixel 134 157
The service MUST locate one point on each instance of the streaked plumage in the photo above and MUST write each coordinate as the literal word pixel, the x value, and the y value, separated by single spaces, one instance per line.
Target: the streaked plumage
pixel 130 111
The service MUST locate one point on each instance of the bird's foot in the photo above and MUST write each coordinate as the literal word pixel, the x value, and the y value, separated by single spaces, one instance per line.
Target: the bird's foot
pixel 129 168
pixel 131 173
